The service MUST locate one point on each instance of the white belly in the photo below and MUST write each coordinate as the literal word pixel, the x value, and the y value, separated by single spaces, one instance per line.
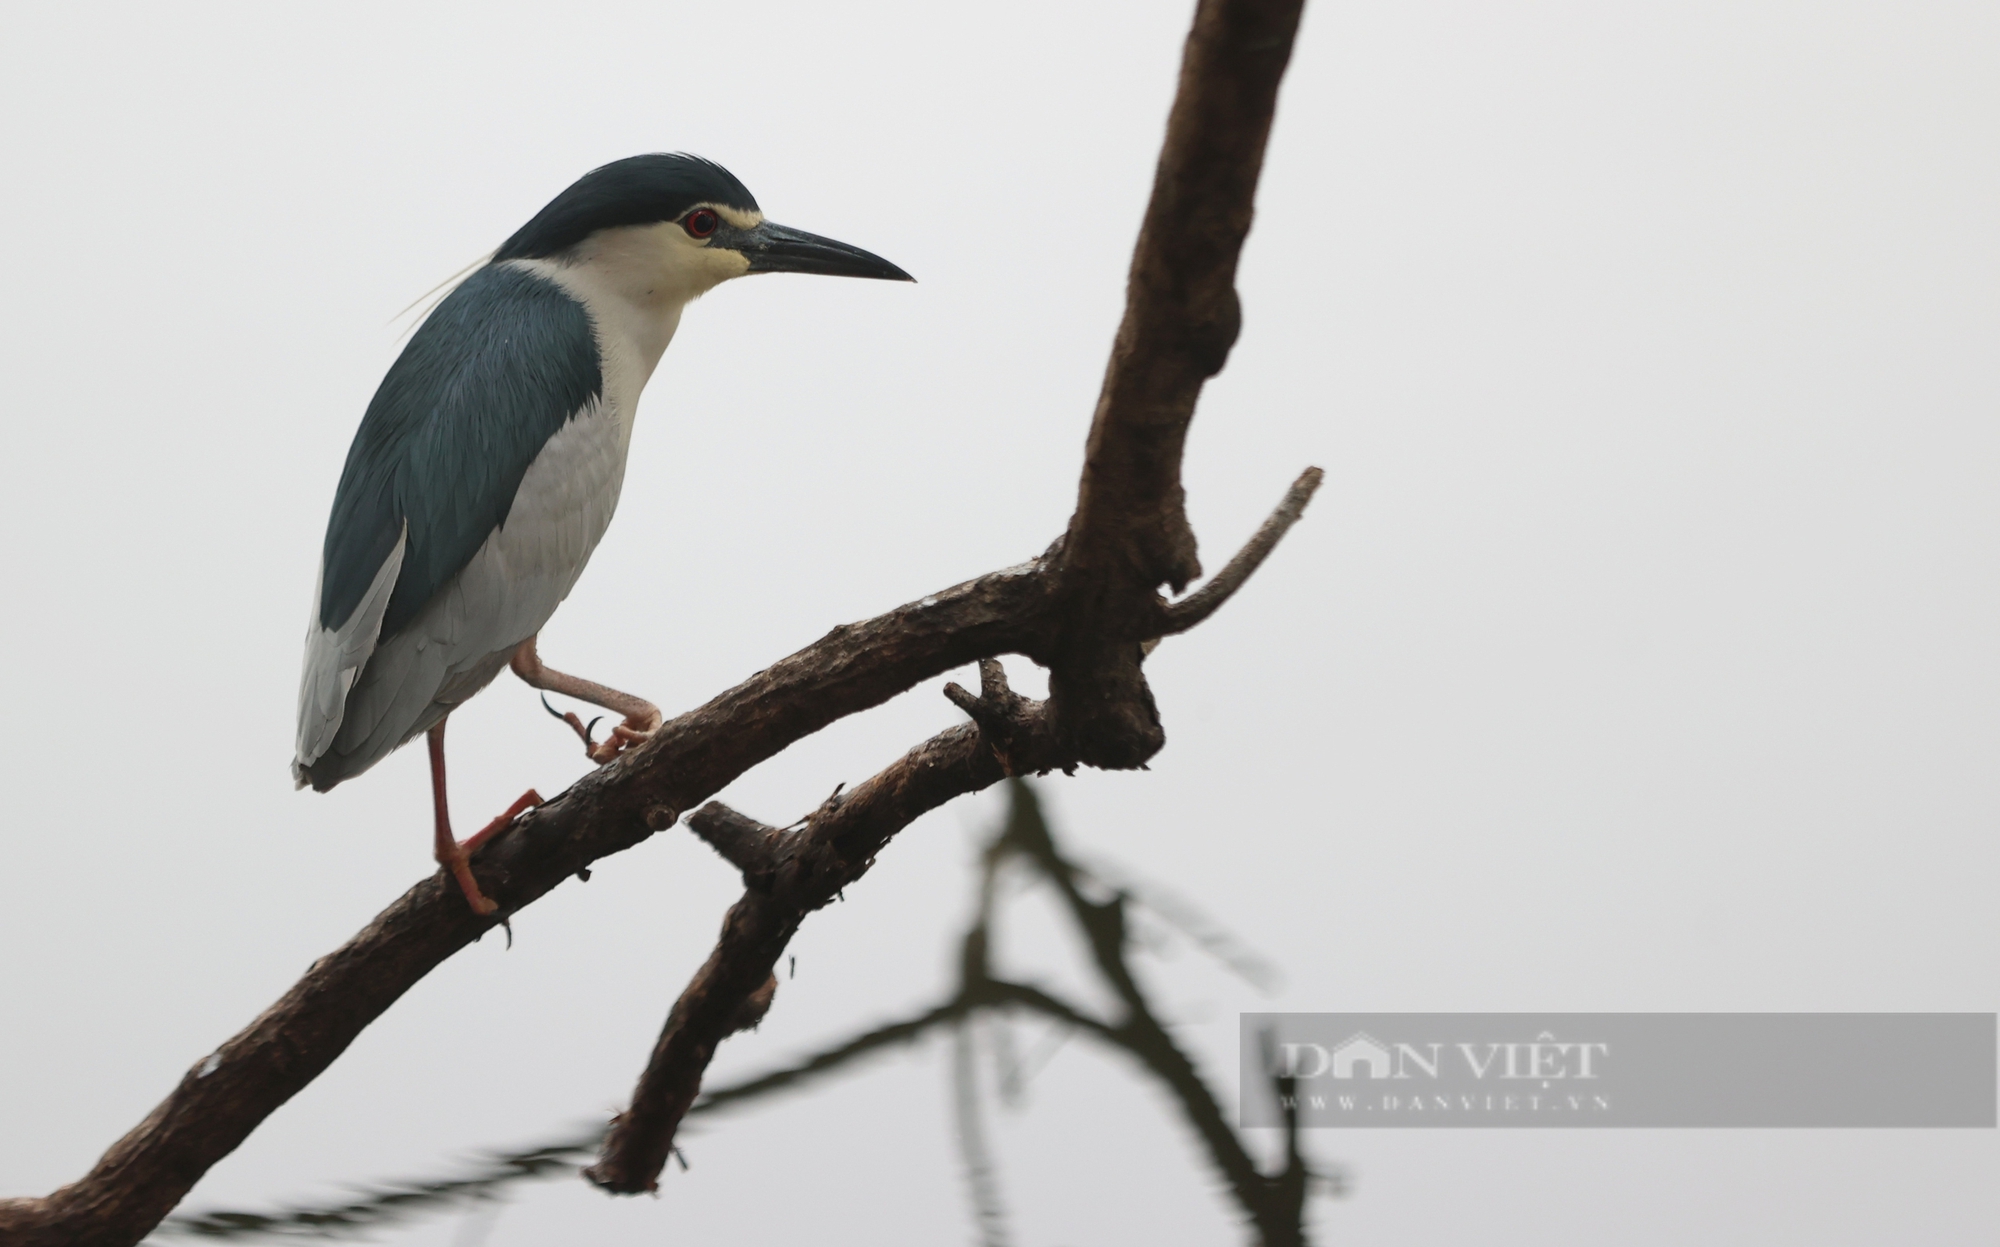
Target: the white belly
pixel 528 566
pixel 464 635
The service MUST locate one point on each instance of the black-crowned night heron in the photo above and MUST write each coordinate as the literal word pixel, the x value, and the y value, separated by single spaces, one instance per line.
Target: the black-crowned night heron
pixel 489 462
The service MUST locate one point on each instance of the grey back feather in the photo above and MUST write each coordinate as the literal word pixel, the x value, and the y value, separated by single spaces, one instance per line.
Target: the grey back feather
pixel 504 362
pixel 496 372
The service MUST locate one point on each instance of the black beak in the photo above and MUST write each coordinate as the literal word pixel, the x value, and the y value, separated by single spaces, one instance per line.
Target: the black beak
pixel 778 249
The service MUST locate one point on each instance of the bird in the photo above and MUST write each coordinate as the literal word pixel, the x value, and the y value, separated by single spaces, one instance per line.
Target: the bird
pixel 488 464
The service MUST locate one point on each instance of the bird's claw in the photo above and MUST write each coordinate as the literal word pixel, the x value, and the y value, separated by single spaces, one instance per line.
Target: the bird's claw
pixel 576 725
pixel 622 737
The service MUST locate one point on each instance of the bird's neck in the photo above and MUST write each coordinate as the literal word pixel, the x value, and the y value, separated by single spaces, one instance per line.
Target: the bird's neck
pixel 634 281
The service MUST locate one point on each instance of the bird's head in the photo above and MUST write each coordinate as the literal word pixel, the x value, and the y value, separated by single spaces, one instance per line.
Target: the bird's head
pixel 682 222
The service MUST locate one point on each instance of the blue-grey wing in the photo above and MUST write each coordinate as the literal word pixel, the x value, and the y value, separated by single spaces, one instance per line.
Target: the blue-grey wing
pixel 497 370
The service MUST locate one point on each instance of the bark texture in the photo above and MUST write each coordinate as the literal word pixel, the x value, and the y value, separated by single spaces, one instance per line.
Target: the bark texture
pixel 1088 609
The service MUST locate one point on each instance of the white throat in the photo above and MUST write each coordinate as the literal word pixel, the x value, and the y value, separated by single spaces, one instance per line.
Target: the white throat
pixel 634 280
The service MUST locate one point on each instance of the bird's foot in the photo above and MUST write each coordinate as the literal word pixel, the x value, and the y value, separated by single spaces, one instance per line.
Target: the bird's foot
pixel 582 729
pixel 632 731
pixel 459 858
pixel 637 726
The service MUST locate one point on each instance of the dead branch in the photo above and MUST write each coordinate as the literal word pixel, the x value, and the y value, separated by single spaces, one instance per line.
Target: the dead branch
pixel 788 874
pixel 1128 536
pixel 1083 610
pixel 1130 531
pixel 1275 1203
pixel 1206 600
pixel 226 1095
pixel 809 867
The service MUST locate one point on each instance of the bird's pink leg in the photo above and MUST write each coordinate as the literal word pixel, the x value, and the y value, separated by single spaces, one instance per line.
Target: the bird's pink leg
pixel 642 717
pixel 451 854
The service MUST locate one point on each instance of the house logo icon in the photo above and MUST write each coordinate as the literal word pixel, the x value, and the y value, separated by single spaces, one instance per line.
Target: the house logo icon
pixel 1364 1050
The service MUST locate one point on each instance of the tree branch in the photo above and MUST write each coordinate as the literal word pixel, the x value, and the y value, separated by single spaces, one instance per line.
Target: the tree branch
pixel 225 1096
pixel 1130 531
pixel 1208 599
pixel 836 846
pixel 1083 610
pixel 750 846
pixel 1025 835
pixel 787 875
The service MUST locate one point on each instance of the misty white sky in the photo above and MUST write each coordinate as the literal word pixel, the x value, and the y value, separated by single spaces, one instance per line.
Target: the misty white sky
pixel 1639 653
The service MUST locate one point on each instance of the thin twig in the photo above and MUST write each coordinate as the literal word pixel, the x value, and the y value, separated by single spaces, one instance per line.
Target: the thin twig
pixel 1206 600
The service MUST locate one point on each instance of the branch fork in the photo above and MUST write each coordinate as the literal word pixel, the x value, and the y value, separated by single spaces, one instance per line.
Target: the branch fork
pixel 1083 610
pixel 997 709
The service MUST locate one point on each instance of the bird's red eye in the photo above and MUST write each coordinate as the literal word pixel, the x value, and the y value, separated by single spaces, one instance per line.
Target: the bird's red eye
pixel 700 223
